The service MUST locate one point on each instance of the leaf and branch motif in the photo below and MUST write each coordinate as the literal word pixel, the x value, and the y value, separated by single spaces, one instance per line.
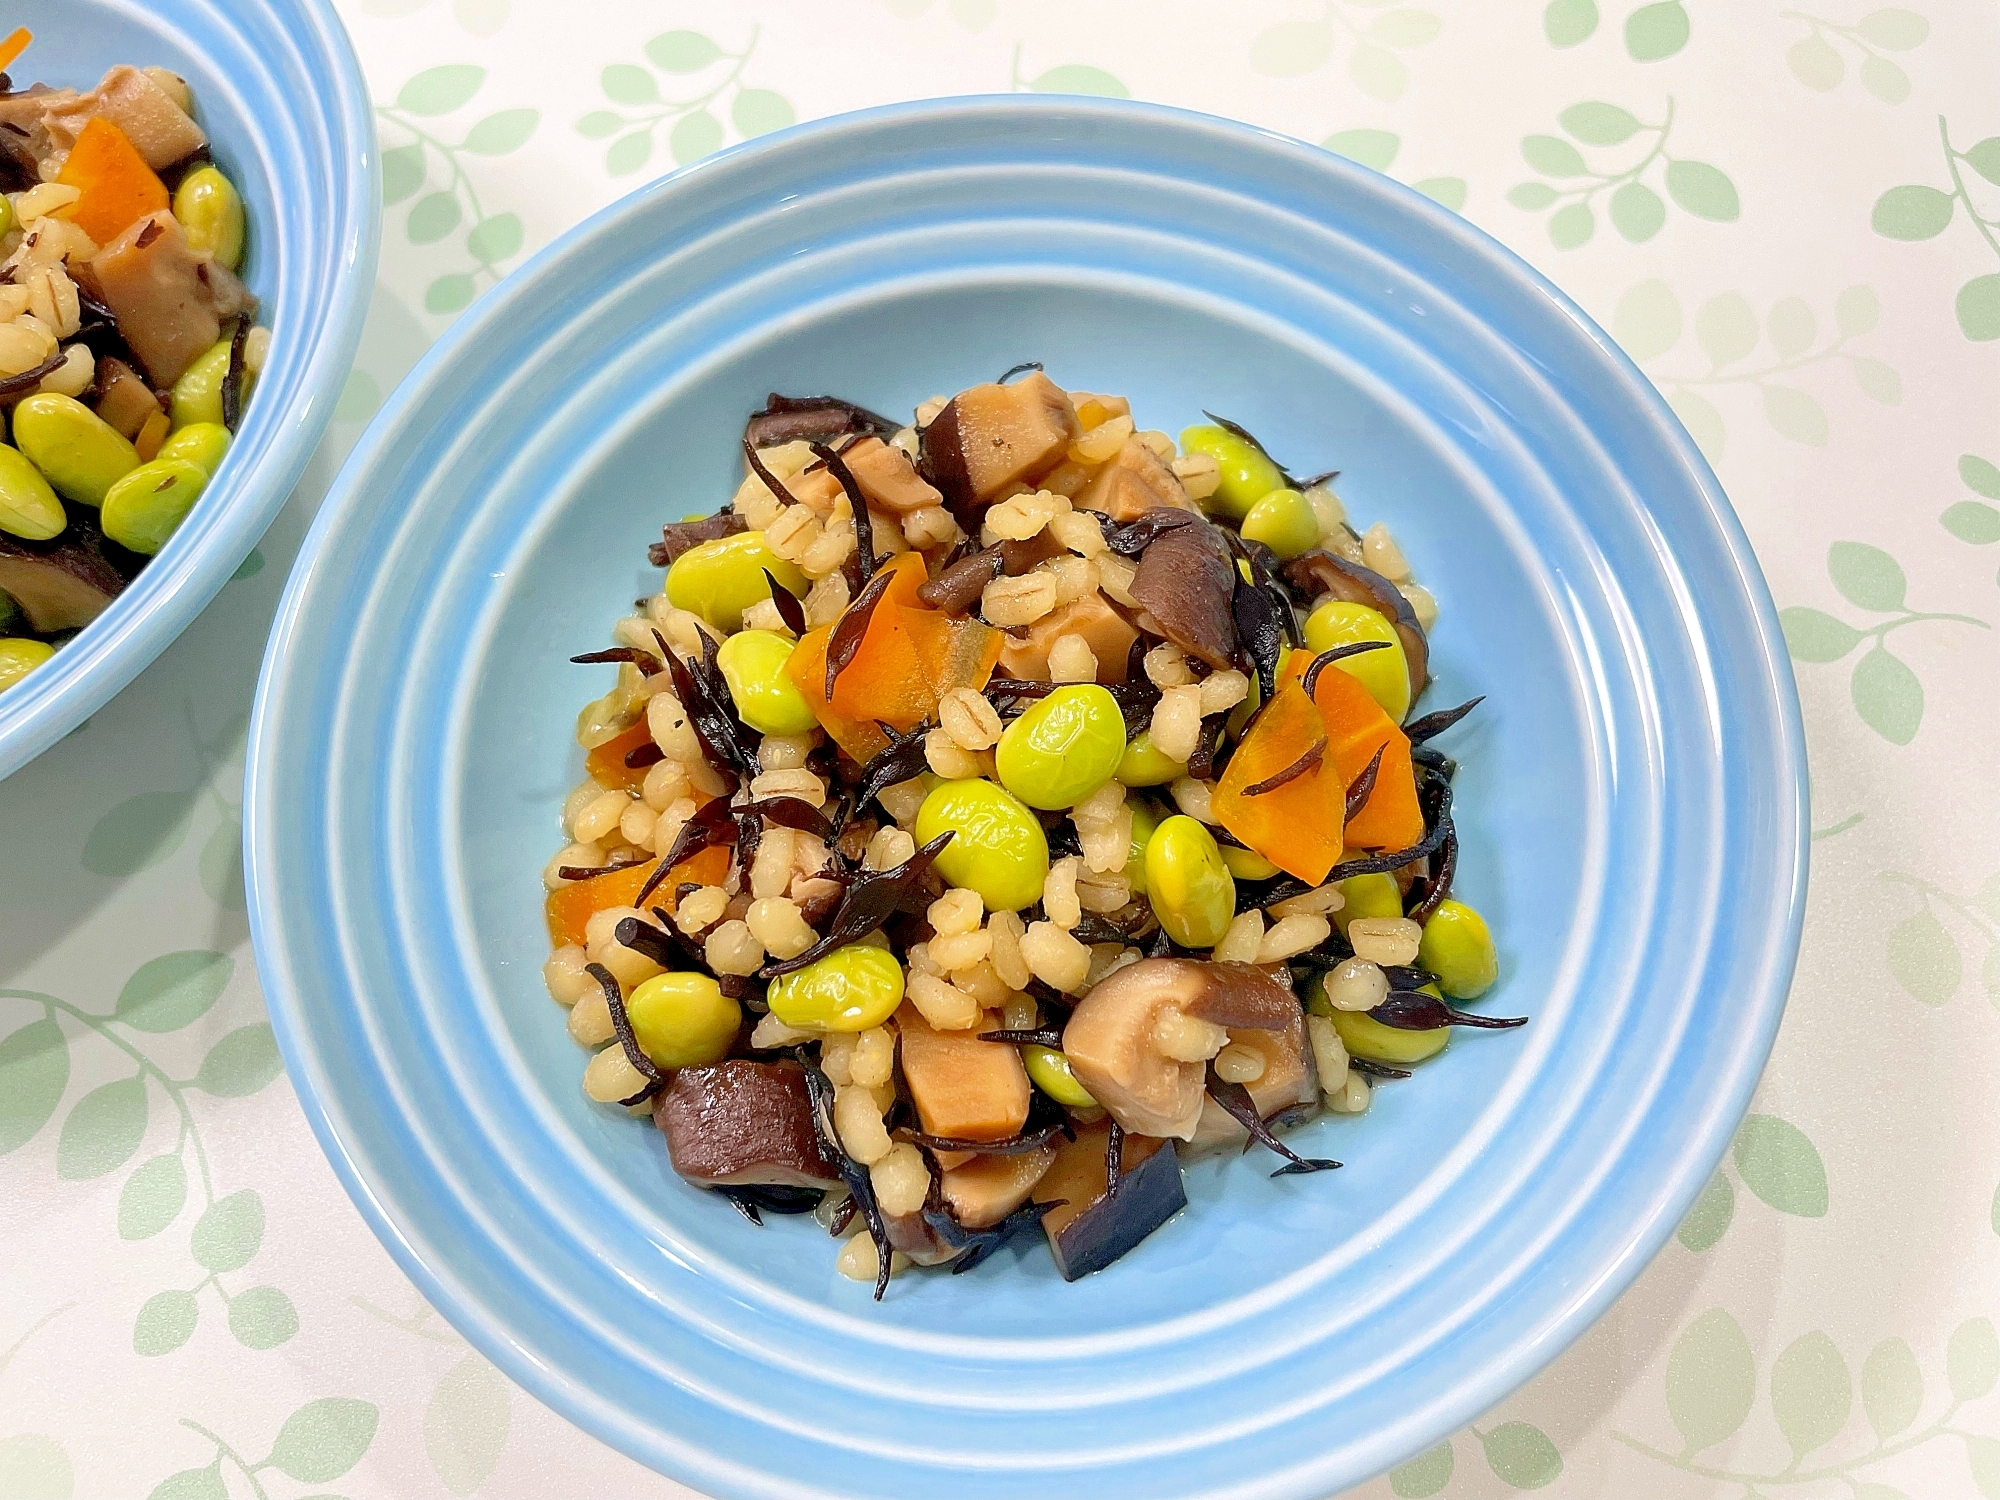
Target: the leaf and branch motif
pixel 1917 211
pixel 693 130
pixel 317 1443
pixel 427 160
pixel 1926 957
pixel 1711 1390
pixel 1652 32
pixel 105 1128
pixel 1573 184
pixel 1291 49
pixel 1379 149
pixel 1649 323
pixel 1885 689
pixel 1818 59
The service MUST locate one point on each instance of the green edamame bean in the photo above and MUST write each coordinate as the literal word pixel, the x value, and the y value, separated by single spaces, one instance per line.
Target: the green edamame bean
pixel 1368 896
pixel 1063 748
pixel 1385 673
pixel 1049 1071
pixel 6 215
pixel 199 443
pixel 1364 1036
pixel 210 211
pixel 147 506
pixel 1458 948
pixel 79 453
pixel 1189 886
pixel 1283 521
pixel 851 989
pixel 998 848
pixel 1247 864
pixel 1143 764
pixel 718 580
pixel 683 1020
pixel 28 507
pixel 197 395
pixel 1248 474
pixel 19 657
pixel 753 664
pixel 1145 821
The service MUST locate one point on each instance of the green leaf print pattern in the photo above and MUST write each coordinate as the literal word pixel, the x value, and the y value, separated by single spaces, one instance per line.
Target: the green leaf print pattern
pixel 1917 211
pixel 1819 58
pixel 106 1127
pixel 1886 692
pixel 1652 32
pixel 1711 1391
pixel 1975 521
pixel 317 1443
pixel 1520 1455
pixel 693 128
pixel 1728 333
pixel 1575 189
pixel 1291 49
pixel 425 162
pixel 1926 950
pixel 470 1412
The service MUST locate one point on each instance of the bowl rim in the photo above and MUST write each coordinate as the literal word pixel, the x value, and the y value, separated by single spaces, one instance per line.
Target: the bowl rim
pixel 152 611
pixel 1652 1222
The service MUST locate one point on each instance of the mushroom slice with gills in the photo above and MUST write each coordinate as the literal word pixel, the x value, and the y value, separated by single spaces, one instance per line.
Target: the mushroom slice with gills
pixel 1130 1041
pixel 744 1123
pixel 1089 1225
pixel 811 419
pixel 1319 572
pixel 964 1089
pixel 888 479
pixel 990 436
pixel 1132 483
pixel 61 584
pixel 1187 583
pixel 1288 1078
pixel 170 299
pixel 983 1191
pixel 1107 632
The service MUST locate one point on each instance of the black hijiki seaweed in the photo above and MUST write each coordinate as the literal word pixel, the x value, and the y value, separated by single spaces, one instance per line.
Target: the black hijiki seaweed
pixel 1202 761
pixel 1434 724
pixel 1382 864
pixel 860 1187
pixel 864 528
pixel 872 898
pixel 1039 1036
pixel 1134 537
pixel 778 1198
pixel 791 609
pixel 1235 1098
pixel 641 756
pixel 645 661
pixel 1021 369
pixel 791 812
pixel 844 643
pixel 1292 481
pixel 1368 1068
pixel 1332 654
pixel 621 1023
pixel 27 380
pixel 1413 1010
pixel 711 711
pixel 713 823
pixel 1298 768
pixel 788 419
pixel 1363 785
pixel 900 760
pixel 1135 700
pixel 232 378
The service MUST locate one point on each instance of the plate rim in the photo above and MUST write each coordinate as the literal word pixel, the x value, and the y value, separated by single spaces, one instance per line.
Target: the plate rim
pixel 1698 1154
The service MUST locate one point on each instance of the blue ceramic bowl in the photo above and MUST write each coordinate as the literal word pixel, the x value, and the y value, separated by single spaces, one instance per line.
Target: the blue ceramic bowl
pixel 278 90
pixel 1632 807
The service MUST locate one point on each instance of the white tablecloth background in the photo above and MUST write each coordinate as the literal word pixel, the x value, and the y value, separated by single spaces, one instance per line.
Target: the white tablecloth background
pixel 191 1306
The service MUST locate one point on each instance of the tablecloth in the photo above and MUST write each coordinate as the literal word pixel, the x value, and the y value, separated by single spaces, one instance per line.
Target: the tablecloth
pixel 1785 213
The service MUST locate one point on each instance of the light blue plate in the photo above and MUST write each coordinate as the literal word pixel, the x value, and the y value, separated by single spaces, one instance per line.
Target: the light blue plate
pixel 278 90
pixel 1632 799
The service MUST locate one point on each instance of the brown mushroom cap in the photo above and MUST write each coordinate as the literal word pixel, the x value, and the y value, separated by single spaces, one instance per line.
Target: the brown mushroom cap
pixel 1112 1050
pixel 61 584
pixel 741 1123
pixel 1320 572
pixel 1187 583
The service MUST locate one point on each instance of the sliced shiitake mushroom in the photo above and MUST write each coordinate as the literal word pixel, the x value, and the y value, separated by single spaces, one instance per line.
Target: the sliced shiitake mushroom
pixel 1186 582
pixel 1319 573
pixel 1141 1039
pixel 990 436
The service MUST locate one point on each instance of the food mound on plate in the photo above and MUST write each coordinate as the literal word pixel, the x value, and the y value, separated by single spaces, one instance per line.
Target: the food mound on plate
pixel 992 811
pixel 127 344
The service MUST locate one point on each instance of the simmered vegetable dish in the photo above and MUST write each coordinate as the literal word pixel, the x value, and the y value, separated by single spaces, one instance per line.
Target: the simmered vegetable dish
pixel 127 343
pixel 993 810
